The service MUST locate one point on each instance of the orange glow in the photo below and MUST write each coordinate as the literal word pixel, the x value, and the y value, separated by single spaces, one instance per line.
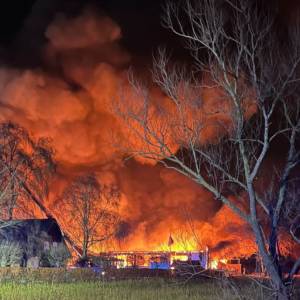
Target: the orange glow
pixel 214 264
pixel 70 101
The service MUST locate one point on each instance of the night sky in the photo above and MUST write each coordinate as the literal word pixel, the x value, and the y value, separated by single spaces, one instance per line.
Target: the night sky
pixel 23 23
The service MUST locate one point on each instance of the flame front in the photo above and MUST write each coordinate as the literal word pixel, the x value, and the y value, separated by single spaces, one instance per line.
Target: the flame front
pixel 69 99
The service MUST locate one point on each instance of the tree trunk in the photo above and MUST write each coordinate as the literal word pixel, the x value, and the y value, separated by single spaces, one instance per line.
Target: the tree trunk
pixel 10 212
pixel 280 289
pixel 12 203
pixel 85 245
pixel 49 215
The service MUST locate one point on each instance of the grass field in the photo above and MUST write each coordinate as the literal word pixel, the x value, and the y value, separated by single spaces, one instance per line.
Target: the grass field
pixel 124 290
pixel 83 284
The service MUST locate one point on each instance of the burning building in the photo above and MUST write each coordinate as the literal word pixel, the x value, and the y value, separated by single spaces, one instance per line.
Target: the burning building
pixel 72 92
pixel 36 239
pixel 69 98
pixel 156 260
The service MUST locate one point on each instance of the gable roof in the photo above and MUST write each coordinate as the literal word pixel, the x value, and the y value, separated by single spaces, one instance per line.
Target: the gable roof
pixel 22 229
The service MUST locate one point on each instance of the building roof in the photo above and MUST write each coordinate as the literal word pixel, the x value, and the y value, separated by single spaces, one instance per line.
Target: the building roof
pixel 22 229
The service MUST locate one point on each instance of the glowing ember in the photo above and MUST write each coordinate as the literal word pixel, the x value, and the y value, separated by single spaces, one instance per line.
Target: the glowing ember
pixel 214 264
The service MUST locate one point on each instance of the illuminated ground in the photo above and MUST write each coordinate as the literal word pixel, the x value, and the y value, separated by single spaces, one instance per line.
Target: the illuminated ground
pixel 129 290
pixel 127 284
pixel 123 290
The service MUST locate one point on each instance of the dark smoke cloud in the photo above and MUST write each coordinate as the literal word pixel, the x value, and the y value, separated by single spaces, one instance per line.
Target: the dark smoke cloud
pixel 221 246
pixel 68 98
pixel 64 90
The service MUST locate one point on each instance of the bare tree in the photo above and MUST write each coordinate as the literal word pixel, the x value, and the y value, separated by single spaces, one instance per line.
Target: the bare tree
pixel 25 166
pixel 225 147
pixel 291 217
pixel 91 211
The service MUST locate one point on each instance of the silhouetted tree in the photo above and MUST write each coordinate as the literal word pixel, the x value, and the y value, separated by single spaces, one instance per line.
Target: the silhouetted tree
pixel 25 167
pixel 224 148
pixel 90 211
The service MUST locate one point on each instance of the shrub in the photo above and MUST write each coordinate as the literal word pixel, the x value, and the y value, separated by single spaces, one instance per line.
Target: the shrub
pixel 11 254
pixel 58 256
pixel 47 275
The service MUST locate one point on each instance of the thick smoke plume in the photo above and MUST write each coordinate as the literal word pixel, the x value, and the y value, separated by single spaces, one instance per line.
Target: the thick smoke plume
pixel 69 99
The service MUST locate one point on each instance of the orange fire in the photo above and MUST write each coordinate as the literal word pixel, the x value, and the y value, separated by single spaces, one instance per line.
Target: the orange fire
pixel 69 99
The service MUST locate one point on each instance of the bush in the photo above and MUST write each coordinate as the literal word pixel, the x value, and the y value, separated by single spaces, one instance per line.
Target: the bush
pixel 47 275
pixel 10 254
pixel 58 256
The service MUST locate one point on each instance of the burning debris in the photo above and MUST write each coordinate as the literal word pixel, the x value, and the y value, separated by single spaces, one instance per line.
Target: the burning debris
pixel 163 260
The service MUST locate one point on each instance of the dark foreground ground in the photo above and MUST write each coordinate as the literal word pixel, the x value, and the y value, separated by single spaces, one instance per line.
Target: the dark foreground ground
pixel 82 284
pixel 133 290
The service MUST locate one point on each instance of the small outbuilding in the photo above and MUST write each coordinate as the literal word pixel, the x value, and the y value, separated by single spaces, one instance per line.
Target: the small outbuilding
pixel 33 243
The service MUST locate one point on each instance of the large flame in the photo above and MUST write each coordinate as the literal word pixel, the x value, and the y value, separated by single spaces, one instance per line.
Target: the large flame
pixel 69 99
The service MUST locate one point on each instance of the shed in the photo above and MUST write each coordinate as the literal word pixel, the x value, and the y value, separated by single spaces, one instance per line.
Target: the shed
pixel 40 241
